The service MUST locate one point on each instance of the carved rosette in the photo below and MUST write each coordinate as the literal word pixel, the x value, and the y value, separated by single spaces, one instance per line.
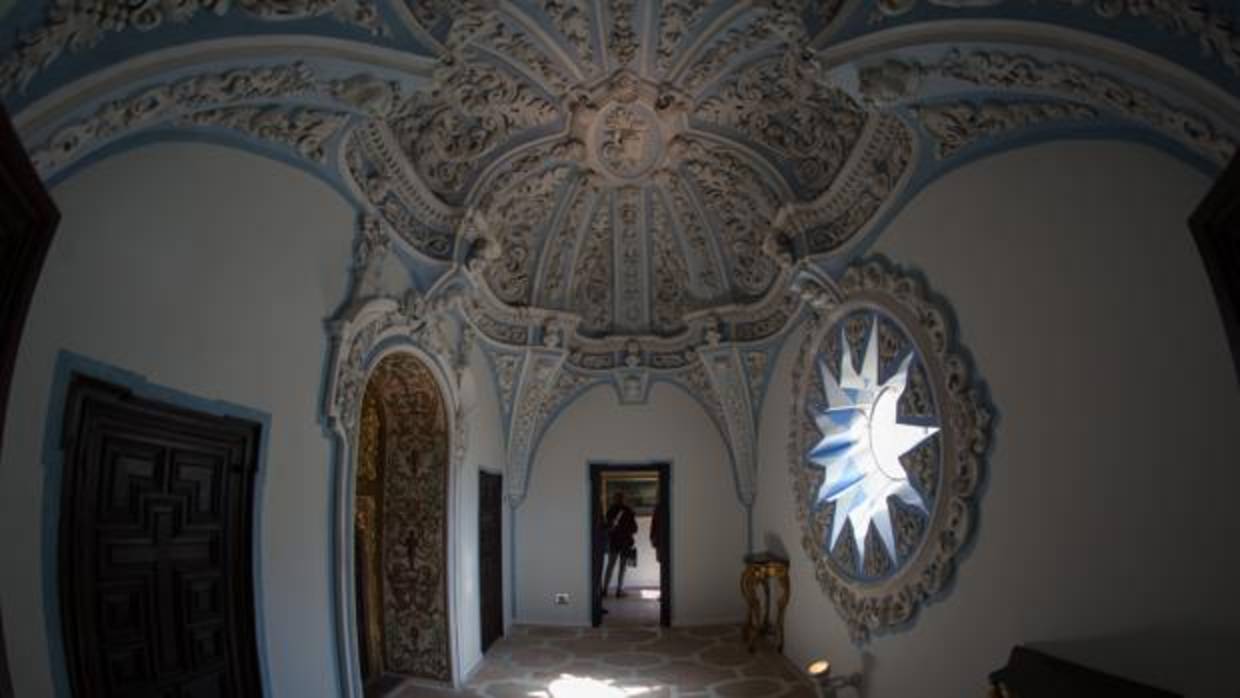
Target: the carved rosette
pixel 946 469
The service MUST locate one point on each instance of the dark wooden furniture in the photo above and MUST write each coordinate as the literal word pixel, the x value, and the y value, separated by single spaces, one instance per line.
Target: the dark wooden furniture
pixel 156 579
pixel 28 220
pixel 1033 674
pixel 1216 228
pixel 491 556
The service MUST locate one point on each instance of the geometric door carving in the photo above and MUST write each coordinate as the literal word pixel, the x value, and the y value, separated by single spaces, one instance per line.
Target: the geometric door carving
pixel 156 580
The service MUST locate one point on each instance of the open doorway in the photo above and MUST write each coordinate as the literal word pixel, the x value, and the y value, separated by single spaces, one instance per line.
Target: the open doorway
pixel 630 553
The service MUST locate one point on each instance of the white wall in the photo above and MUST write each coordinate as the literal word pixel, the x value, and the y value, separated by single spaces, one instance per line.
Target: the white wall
pixel 209 271
pixel 1108 528
pixel 552 550
pixel 480 404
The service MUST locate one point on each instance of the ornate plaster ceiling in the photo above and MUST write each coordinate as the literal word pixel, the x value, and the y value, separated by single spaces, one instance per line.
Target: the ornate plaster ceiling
pixel 631 165
pixel 613 192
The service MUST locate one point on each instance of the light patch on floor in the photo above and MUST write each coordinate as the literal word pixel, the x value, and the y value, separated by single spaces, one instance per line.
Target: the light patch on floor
pixel 627 662
pixel 638 607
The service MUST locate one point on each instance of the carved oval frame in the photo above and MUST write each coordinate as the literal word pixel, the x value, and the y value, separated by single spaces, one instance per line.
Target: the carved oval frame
pixel 964 412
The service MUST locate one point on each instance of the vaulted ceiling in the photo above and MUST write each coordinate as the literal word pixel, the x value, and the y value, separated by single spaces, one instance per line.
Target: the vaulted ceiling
pixel 616 190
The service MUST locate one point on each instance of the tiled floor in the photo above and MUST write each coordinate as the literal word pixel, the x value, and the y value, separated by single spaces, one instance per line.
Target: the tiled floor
pixel 619 662
pixel 639 607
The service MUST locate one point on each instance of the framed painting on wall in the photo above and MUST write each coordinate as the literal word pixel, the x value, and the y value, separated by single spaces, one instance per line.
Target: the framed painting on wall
pixel 641 490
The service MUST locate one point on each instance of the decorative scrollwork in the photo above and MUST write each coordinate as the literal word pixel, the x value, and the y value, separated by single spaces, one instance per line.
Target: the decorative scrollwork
pixel 780 104
pixel 74 27
pixel 876 588
pixel 957 125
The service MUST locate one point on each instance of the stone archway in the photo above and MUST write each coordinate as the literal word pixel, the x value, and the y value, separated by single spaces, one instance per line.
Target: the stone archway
pixel 401 524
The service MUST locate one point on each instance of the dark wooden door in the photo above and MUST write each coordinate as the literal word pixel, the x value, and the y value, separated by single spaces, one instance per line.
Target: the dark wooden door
pixel 491 556
pixel 156 581
pixel 27 221
pixel 1216 228
pixel 6 683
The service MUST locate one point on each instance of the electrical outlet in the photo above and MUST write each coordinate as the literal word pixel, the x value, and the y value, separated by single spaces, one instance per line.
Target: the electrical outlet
pixel 561 599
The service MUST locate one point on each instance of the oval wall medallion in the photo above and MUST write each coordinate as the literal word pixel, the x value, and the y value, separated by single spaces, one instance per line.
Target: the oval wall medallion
pixel 888 446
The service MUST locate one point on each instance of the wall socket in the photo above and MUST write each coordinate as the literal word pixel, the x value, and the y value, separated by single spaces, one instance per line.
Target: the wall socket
pixel 561 599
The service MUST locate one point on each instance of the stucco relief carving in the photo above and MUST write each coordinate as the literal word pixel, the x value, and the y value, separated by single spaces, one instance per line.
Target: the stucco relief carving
pixel 370 250
pixel 628 142
pixel 670 270
pixel 944 386
pixel 572 19
pixel 781 104
pixel 893 80
pixel 676 19
pixel 957 125
pixel 636 191
pixel 728 380
pixel 474 108
pixel 592 285
pixel 79 25
pixel 304 129
pixel 1216 33
pixel 622 40
pixel 842 213
pixel 1021 71
pixel 164 102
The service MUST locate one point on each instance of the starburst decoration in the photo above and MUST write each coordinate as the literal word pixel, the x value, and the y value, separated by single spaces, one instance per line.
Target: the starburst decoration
pixel 862 441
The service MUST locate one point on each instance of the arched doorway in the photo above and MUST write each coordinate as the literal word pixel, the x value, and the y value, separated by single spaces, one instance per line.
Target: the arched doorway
pixel 401 525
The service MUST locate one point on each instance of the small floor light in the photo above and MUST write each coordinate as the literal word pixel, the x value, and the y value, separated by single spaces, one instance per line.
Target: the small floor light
pixel 819 671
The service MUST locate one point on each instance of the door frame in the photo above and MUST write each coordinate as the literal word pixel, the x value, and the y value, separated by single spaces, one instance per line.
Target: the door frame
pixel 20 277
pixel 664 471
pixel 68 365
pixel 493 472
pixel 1215 225
pixel 353 357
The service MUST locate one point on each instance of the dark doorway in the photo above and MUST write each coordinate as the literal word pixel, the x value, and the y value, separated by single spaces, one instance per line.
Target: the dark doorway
pixel 660 511
pixel 1216 228
pixel 491 556
pixel 28 219
pixel 6 683
pixel 156 579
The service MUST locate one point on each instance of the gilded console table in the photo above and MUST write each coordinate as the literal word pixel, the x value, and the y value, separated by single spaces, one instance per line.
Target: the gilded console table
pixel 760 569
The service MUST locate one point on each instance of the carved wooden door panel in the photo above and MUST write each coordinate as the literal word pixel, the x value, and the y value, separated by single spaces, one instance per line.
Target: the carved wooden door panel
pixel 156 578
pixel 28 219
pixel 491 556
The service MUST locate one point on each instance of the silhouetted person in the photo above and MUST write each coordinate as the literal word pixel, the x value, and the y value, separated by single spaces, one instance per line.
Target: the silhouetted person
pixel 598 549
pixel 621 525
pixel 656 530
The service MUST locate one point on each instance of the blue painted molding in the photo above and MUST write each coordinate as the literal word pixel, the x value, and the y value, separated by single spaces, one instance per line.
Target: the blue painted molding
pixel 69 364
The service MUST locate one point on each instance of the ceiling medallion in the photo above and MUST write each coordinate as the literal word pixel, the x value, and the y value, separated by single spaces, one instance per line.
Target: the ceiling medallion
pixel 628 123
pixel 889 436
pixel 627 140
